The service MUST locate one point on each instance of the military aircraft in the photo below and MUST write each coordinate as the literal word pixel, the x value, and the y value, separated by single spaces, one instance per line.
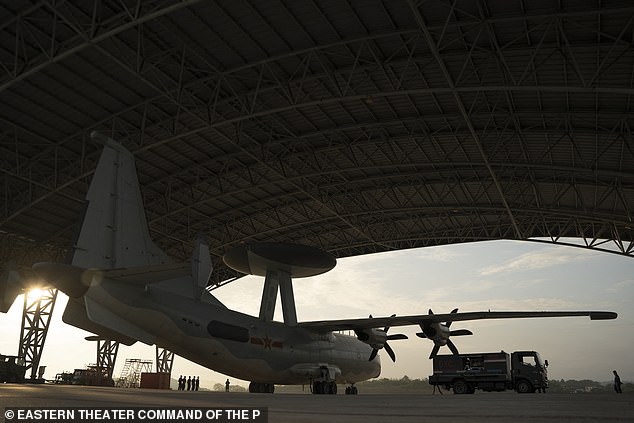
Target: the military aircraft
pixel 122 287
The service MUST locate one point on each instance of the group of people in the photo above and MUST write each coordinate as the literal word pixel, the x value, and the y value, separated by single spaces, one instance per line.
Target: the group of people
pixel 189 383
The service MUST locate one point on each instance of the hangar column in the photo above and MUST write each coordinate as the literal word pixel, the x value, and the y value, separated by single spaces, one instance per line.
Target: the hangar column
pixel 36 319
pixel 164 360
pixel 107 356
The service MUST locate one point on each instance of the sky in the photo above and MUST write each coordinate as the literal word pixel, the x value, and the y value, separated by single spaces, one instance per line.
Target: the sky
pixel 496 275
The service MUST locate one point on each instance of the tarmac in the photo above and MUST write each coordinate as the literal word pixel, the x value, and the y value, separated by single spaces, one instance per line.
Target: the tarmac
pixel 366 408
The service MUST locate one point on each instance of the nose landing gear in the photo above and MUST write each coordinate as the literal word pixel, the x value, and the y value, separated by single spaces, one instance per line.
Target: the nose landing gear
pixel 351 390
pixel 325 387
pixel 261 388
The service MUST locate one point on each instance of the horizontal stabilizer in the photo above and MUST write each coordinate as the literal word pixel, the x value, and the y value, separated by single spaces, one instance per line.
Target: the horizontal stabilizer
pixel 75 315
pixel 104 317
pixel 148 274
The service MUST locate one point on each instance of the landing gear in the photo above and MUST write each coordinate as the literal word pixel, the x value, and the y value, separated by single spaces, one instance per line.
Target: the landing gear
pixel 261 388
pixel 351 390
pixel 329 388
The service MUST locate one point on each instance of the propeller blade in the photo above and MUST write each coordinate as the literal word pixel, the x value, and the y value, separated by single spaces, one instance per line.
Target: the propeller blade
pixel 455 310
pixel 373 354
pixel 421 335
pixel 385 329
pixel 434 351
pixel 396 336
pixel 390 351
pixel 461 332
pixel 452 347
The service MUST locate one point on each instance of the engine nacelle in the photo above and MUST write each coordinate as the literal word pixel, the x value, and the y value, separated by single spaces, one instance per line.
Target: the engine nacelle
pixel 437 332
pixel 375 338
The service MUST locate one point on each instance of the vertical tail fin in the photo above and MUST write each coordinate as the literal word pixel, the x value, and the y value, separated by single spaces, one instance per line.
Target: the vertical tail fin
pixel 10 286
pixel 114 232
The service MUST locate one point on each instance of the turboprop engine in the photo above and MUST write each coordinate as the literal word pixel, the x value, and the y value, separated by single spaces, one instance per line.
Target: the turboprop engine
pixel 377 338
pixel 440 333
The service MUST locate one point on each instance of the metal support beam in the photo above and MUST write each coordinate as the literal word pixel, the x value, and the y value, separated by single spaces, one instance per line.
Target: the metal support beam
pixel 433 48
pixel 36 319
pixel 164 360
pixel 107 355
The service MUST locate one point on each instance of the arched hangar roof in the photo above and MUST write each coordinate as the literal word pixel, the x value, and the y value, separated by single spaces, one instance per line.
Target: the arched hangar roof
pixel 356 126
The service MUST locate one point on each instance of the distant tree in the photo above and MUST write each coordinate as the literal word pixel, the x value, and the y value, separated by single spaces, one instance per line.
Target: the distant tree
pixel 237 388
pixel 219 387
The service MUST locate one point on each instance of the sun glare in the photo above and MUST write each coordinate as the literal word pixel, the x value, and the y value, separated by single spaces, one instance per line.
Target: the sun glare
pixel 35 294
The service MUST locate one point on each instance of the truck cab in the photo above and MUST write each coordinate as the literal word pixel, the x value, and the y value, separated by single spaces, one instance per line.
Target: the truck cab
pixel 529 372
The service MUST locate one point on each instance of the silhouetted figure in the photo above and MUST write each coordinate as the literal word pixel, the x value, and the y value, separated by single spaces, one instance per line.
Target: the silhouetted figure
pixel 439 390
pixel 227 385
pixel 181 383
pixel 189 383
pixel 617 382
pixel 197 383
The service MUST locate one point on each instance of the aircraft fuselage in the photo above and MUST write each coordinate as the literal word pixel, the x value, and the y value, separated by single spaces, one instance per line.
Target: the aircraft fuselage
pixel 231 342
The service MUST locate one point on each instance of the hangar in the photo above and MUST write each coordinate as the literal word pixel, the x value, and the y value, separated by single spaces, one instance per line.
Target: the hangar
pixel 354 126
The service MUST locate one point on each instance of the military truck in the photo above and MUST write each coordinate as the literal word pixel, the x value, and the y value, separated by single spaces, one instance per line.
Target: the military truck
pixel 523 371
pixel 12 369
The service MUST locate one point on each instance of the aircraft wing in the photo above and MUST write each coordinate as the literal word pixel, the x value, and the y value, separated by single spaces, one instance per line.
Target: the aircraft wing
pixel 374 322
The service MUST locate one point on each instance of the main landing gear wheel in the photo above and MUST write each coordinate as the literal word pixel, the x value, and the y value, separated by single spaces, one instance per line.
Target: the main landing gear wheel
pixel 351 390
pixel 261 388
pixel 329 388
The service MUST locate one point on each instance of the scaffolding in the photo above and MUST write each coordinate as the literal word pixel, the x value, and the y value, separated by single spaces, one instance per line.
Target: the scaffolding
pixel 131 372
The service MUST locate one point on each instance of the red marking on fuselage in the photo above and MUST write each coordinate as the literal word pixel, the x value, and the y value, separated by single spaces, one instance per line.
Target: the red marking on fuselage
pixel 267 342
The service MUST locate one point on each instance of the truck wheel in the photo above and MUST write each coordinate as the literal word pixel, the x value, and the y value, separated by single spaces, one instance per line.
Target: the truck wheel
pixel 523 387
pixel 460 387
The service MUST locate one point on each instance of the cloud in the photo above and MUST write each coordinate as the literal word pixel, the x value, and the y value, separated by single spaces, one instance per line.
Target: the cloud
pixel 621 286
pixel 536 260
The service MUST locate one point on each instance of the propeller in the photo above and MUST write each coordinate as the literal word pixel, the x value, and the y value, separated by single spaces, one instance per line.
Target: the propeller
pixel 440 333
pixel 380 340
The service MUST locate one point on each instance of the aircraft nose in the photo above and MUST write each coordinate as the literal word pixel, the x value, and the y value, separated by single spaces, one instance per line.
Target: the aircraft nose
pixel 73 281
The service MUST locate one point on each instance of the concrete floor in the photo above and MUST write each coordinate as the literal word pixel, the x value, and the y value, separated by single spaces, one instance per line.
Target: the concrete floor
pixel 480 407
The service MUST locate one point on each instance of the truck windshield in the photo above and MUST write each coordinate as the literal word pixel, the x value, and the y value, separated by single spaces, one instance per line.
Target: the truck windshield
pixel 538 360
pixel 531 359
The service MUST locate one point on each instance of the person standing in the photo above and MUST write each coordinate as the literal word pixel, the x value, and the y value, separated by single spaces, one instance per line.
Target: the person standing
pixel 189 383
pixel 197 384
pixel 227 385
pixel 617 382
